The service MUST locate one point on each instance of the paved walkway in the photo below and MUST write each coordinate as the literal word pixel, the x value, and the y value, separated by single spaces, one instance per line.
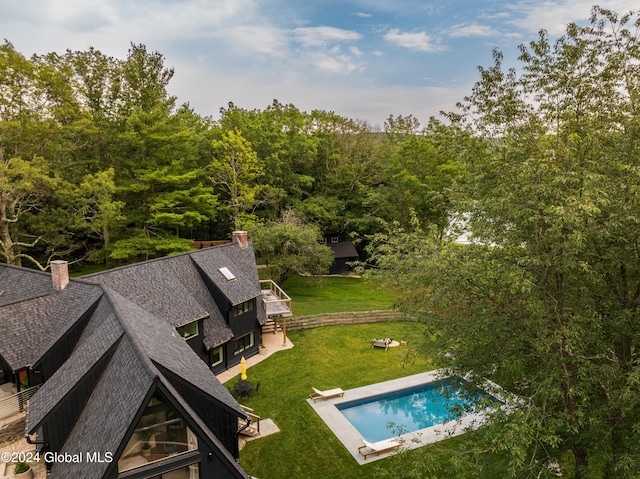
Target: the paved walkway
pixel 272 342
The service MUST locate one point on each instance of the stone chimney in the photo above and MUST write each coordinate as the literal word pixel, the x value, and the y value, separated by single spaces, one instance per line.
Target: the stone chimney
pixel 241 237
pixel 59 274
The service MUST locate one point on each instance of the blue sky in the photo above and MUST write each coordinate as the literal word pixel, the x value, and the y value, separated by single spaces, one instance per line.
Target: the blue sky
pixel 364 59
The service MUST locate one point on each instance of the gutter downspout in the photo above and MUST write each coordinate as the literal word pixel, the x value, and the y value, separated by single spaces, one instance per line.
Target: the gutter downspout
pixel 239 431
pixel 27 437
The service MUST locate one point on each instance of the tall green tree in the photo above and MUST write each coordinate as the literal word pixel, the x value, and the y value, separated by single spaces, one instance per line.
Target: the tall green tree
pixel 290 246
pixel 546 302
pixel 236 172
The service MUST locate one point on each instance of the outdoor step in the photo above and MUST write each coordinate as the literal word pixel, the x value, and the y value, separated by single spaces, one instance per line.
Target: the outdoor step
pixel 270 327
pixel 250 431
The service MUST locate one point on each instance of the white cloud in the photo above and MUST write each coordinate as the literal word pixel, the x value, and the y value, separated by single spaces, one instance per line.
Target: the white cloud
pixel 363 15
pixel 554 16
pixel 320 36
pixel 355 51
pixel 472 30
pixel 418 41
pixel 334 63
pixel 253 38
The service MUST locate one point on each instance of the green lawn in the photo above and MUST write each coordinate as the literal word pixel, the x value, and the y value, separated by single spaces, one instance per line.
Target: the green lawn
pixel 333 294
pixel 338 356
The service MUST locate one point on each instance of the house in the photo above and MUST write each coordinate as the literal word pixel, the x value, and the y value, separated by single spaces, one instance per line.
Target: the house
pixel 343 253
pixel 211 296
pixel 127 360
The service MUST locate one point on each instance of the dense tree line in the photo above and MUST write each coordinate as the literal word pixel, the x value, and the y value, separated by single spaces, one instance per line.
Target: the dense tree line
pixel 546 301
pixel 99 162
pixel 541 164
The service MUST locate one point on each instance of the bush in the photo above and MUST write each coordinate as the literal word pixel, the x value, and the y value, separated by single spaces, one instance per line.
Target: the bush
pixel 21 467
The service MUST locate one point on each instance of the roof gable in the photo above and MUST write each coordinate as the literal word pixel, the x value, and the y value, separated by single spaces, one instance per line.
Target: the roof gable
pixel 241 262
pixel 159 342
pixel 85 357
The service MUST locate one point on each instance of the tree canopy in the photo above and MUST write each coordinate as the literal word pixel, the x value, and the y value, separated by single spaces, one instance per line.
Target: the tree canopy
pixel 546 300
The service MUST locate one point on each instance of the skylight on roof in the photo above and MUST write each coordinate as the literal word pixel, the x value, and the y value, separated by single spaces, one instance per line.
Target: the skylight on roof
pixel 229 276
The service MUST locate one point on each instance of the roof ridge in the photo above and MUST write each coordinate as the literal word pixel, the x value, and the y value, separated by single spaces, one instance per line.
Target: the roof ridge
pixel 133 337
pixel 153 260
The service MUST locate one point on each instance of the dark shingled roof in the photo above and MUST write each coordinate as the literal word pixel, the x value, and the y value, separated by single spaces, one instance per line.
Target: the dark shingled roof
pixel 106 331
pixel 173 288
pixel 15 285
pixel 162 344
pixel 23 325
pixel 141 340
pixel 128 341
pixel 104 421
pixel 240 261
pixel 343 249
pixel 169 288
pixel 30 326
pixel 71 304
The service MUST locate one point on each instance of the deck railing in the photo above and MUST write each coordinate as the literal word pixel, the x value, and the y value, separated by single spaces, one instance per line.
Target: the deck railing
pixel 277 291
pixel 17 403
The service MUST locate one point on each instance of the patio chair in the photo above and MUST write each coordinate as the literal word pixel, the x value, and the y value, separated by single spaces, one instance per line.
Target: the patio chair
pixel 377 447
pixel 330 393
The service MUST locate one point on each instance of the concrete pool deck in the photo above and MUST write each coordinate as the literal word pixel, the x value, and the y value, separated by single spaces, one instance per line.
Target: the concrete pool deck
pixel 352 439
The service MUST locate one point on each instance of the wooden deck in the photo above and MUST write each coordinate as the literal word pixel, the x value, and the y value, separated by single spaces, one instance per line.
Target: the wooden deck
pixel 276 308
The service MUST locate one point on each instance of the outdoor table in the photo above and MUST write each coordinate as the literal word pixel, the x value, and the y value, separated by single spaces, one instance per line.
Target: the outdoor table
pixel 244 388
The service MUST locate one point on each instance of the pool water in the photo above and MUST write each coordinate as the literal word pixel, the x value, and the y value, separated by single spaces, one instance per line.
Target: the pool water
pixel 409 410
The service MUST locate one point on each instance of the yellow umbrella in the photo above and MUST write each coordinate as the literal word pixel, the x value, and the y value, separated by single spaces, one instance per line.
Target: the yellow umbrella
pixel 243 369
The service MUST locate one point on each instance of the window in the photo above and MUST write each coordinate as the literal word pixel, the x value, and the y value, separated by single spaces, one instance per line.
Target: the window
pixel 188 331
pixel 228 275
pixel 217 356
pixel 334 239
pixel 243 343
pixel 160 433
pixel 323 241
pixel 242 308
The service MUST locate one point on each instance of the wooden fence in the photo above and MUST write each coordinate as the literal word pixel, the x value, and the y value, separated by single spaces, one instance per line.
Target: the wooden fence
pixel 333 319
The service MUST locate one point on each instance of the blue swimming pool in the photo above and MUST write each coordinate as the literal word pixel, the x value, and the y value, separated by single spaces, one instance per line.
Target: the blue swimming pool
pixel 412 409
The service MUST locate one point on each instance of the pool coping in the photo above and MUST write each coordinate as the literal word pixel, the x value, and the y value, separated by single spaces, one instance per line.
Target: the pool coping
pixel 349 436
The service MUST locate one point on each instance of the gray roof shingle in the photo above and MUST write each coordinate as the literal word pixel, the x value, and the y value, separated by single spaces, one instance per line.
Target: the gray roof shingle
pixel 104 421
pixel 30 326
pixel 240 261
pixel 106 331
pixel 162 344
pixel 15 285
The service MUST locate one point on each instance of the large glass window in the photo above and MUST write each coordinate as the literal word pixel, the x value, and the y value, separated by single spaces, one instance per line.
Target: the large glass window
pixel 242 308
pixel 217 356
pixel 245 342
pixel 188 331
pixel 159 434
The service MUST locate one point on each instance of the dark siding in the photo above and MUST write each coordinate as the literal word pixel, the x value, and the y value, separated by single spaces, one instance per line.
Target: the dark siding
pixel 340 266
pixel 216 294
pixel 197 343
pixel 58 424
pixel 61 350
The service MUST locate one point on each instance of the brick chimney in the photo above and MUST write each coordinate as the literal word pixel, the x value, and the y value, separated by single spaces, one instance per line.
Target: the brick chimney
pixel 241 237
pixel 59 274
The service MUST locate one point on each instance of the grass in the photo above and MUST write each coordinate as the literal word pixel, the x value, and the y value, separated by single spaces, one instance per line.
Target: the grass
pixel 334 294
pixel 328 357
